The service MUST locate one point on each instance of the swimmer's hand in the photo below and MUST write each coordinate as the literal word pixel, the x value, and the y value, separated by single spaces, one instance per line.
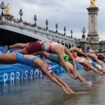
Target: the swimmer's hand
pixel 74 73
pixel 101 75
pixel 71 75
pixel 6 49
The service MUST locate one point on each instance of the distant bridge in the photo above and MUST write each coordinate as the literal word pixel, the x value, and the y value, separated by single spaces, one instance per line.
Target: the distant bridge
pixel 31 32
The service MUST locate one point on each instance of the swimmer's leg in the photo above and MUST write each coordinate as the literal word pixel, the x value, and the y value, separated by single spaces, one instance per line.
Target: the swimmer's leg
pixel 8 58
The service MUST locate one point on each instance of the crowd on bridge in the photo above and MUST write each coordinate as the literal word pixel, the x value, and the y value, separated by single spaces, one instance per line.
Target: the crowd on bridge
pixel 55 52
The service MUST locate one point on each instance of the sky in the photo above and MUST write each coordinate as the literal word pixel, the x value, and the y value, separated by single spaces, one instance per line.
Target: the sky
pixel 70 13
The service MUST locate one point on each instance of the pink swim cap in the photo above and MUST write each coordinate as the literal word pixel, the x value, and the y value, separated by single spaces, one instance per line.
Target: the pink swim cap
pixel 51 41
pixel 74 46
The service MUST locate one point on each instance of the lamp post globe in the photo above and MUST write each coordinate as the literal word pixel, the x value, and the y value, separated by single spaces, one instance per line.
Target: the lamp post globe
pixel 64 30
pixel 21 14
pixel 35 19
pixel 46 24
pixel 56 28
pixel 2 7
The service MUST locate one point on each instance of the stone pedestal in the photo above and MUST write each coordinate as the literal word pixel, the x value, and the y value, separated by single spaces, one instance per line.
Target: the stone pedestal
pixel 84 44
pixel 94 45
pixel 93 36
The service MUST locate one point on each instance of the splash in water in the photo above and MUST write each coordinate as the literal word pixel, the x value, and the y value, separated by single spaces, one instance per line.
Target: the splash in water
pixel 90 83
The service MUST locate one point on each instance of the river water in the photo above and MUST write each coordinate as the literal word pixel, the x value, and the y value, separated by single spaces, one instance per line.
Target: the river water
pixel 43 92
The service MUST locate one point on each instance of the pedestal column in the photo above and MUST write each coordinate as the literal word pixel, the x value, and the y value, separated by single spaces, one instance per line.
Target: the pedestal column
pixel 93 36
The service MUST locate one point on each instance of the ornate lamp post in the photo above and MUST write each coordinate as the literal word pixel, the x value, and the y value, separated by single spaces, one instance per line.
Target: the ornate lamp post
pixel 71 33
pixel 83 31
pixel 46 24
pixel 64 31
pixel 21 14
pixel 56 28
pixel 35 19
pixel 2 7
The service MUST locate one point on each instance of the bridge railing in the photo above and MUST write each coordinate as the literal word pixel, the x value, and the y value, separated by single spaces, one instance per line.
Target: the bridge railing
pixel 35 32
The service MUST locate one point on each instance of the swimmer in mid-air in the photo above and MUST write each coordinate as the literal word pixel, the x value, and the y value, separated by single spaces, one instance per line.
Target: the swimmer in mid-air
pixel 51 46
pixel 55 58
pixel 88 63
pixel 35 61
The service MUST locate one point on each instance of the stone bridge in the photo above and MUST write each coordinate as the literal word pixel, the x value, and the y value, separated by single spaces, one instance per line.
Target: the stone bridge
pixel 34 32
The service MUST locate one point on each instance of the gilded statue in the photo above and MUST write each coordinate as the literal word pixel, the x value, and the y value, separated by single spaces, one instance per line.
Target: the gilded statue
pixel 92 3
pixel 7 10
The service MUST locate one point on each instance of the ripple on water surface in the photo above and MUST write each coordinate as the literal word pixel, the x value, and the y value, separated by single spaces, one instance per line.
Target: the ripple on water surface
pixel 44 92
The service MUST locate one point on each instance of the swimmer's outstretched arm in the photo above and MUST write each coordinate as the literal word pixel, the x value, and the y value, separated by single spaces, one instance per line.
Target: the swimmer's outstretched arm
pixel 82 79
pixel 81 52
pixel 73 60
pixel 12 58
pixel 60 55
pixel 97 60
pixel 86 63
pixel 65 85
pixel 46 54
pixel 56 79
pixel 17 45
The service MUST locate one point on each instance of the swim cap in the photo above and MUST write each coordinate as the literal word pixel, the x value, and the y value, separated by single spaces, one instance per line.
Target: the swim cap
pixel 96 51
pixel 80 49
pixel 86 68
pixel 74 55
pixel 74 46
pixel 72 49
pixel 51 41
pixel 90 50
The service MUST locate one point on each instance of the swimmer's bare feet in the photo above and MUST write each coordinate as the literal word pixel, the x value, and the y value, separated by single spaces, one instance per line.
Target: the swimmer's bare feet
pixel 6 49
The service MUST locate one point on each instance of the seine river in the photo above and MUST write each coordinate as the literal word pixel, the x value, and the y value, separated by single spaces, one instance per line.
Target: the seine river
pixel 44 92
